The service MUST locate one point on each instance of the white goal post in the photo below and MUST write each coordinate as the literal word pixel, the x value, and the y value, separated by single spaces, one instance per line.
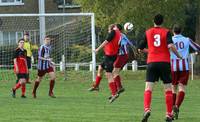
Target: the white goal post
pixel 54 17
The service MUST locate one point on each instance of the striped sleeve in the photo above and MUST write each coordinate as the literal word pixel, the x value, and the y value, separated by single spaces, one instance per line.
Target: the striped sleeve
pixel 194 45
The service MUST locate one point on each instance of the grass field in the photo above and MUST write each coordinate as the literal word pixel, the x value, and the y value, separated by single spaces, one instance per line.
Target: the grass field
pixel 75 104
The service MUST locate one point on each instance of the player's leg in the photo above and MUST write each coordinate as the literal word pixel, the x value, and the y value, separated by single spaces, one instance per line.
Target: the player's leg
pixel 168 101
pixel 23 87
pixel 41 73
pixel 109 61
pixel 52 76
pixel 95 85
pixel 183 80
pixel 151 77
pixel 21 82
pixel 112 86
pixel 165 74
pixel 117 80
pixel 174 85
pixel 118 65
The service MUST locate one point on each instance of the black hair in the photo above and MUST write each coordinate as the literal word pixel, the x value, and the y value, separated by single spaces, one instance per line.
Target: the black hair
pixel 48 36
pixel 158 19
pixel 177 29
pixel 119 26
pixel 20 40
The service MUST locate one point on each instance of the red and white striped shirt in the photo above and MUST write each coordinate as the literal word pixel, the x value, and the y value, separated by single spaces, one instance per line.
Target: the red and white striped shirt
pixel 182 45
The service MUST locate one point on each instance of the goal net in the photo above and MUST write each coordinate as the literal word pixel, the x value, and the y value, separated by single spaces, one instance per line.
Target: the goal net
pixel 73 39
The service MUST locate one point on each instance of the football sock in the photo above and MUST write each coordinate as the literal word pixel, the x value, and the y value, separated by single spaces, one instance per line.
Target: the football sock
pixel 174 98
pixel 169 102
pixel 118 82
pixel 180 98
pixel 18 85
pixel 97 82
pixel 23 89
pixel 147 100
pixel 36 86
pixel 51 86
pixel 113 88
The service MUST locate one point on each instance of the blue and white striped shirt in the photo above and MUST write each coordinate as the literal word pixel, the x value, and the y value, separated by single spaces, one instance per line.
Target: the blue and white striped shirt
pixel 44 51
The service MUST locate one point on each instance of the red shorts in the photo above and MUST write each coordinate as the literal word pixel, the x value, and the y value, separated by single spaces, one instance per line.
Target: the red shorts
pixel 121 61
pixel 180 77
pixel 41 73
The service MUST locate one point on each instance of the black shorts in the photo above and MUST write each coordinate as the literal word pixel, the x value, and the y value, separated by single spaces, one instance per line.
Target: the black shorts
pixel 108 62
pixel 21 76
pixel 158 70
pixel 28 59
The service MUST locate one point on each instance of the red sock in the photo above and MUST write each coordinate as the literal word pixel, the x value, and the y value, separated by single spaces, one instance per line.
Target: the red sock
pixel 180 98
pixel 147 100
pixel 23 89
pixel 113 88
pixel 18 85
pixel 51 86
pixel 97 82
pixel 169 102
pixel 36 86
pixel 117 80
pixel 174 98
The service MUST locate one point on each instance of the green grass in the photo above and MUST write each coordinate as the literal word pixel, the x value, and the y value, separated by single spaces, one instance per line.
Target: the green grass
pixel 75 104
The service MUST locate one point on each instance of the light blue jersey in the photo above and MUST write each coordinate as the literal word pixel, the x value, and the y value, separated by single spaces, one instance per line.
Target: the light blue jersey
pixel 123 45
pixel 182 45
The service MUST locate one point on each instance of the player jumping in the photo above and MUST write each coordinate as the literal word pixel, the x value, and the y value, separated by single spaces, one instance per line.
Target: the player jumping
pixel 111 47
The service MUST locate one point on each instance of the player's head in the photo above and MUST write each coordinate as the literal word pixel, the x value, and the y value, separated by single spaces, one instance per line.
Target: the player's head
pixel 21 43
pixel 26 36
pixel 110 27
pixel 47 40
pixel 158 19
pixel 119 26
pixel 177 29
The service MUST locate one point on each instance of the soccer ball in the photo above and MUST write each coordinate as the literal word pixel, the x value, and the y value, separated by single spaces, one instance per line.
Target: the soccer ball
pixel 128 26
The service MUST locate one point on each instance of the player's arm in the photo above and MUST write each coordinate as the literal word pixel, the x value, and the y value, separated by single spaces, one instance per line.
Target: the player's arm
pixel 194 45
pixel 15 61
pixel 111 35
pixel 171 45
pixel 26 61
pixel 142 46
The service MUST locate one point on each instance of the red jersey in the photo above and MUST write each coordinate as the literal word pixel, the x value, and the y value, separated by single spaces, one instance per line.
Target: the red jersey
pixel 20 56
pixel 157 41
pixel 112 47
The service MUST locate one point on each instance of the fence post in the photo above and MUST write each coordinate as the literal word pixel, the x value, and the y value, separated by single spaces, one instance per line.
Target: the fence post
pixel 192 66
pixel 62 63
pixel 91 66
pixel 134 65
pixel 125 67
pixel 76 67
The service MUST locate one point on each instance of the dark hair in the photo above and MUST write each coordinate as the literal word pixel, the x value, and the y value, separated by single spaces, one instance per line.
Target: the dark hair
pixel 177 29
pixel 119 26
pixel 47 36
pixel 158 19
pixel 20 40
pixel 26 33
pixel 111 26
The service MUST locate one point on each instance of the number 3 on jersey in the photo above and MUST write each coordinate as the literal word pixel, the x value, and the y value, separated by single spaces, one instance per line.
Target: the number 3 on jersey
pixel 157 41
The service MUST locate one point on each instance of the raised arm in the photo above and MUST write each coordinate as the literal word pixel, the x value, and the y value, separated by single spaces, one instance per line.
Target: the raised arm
pixel 109 38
